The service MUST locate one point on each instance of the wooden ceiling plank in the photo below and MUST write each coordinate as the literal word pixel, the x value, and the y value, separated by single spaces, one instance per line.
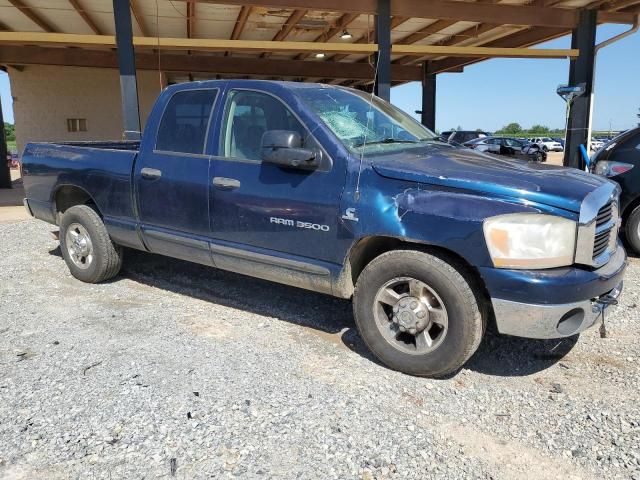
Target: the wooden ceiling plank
pixel 139 20
pixel 342 23
pixel 287 27
pixel 368 36
pixel 77 6
pixel 512 14
pixel 31 14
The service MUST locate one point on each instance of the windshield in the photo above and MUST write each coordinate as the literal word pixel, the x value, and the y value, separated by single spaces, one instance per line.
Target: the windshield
pixel 362 125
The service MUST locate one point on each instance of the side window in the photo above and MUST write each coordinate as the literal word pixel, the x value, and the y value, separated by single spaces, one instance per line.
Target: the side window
pixel 248 115
pixel 184 123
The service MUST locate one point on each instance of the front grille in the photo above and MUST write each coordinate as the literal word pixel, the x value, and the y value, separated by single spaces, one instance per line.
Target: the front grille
pixel 598 226
pixel 604 214
pixel 604 229
pixel 601 242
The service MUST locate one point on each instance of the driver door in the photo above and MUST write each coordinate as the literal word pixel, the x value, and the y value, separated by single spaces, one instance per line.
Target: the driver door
pixel 270 209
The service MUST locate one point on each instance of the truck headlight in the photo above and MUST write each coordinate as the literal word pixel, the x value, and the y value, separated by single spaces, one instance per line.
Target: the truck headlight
pixel 530 240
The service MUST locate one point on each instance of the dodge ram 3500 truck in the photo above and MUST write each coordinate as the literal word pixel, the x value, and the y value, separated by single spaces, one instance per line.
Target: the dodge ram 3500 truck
pixel 336 191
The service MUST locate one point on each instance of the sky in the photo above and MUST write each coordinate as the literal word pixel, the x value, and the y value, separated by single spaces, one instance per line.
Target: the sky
pixel 496 92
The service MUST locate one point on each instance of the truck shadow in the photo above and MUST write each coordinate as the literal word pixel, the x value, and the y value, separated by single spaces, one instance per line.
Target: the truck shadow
pixel 330 318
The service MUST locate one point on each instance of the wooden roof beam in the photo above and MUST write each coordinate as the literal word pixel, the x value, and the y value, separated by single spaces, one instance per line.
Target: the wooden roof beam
pixel 523 38
pixel 456 39
pixel 191 18
pixel 178 62
pixel 85 16
pixel 495 49
pixel 241 21
pixel 31 14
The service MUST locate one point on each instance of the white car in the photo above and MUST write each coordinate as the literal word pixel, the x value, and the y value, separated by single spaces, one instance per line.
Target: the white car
pixel 596 144
pixel 547 144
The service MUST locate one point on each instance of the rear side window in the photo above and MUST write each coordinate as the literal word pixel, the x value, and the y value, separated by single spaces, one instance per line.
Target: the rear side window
pixel 184 123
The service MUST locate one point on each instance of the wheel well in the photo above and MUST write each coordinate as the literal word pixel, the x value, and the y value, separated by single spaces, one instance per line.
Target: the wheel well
pixel 371 247
pixel 69 196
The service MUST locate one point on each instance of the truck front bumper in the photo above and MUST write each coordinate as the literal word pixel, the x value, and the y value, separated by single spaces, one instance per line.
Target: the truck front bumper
pixel 547 317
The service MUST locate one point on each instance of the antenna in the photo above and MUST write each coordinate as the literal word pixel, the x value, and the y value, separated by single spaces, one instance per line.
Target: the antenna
pixel 364 140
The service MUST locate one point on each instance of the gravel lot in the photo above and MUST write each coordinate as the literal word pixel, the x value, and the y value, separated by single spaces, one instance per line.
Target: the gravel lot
pixel 177 370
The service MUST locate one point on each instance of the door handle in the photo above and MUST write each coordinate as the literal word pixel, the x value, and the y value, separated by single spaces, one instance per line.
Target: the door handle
pixel 224 183
pixel 151 173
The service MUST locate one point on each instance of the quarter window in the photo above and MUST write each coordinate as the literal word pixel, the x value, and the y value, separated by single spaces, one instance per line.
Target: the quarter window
pixel 183 128
pixel 249 115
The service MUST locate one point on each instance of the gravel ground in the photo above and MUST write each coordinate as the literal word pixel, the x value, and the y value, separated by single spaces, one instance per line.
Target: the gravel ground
pixel 177 370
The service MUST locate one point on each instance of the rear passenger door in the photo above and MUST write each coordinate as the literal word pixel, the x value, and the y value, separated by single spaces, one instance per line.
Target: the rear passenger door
pixel 277 211
pixel 172 178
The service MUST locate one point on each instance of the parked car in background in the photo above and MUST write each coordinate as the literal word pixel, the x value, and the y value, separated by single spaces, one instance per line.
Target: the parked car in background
pixel 462 136
pixel 619 160
pixel 597 144
pixel 559 140
pixel 547 144
pixel 509 147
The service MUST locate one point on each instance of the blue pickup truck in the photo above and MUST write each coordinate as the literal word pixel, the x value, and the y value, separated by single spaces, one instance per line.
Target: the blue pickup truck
pixel 334 190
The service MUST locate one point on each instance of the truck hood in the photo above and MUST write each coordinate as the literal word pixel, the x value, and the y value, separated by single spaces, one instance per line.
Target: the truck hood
pixel 466 169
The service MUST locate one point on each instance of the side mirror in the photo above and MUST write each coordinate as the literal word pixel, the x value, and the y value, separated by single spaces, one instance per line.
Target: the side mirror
pixel 284 148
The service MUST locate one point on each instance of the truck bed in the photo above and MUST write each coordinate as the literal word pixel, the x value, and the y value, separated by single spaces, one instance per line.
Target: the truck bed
pixel 102 169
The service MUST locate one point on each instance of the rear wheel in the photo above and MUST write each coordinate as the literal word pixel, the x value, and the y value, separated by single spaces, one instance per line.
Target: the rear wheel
pixel 632 229
pixel 417 313
pixel 86 246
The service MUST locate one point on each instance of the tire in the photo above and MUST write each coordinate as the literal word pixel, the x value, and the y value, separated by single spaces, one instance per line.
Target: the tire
pixel 632 230
pixel 538 157
pixel 446 291
pixel 545 149
pixel 93 258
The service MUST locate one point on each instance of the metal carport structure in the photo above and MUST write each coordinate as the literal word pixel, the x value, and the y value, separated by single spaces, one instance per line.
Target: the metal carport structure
pixel 332 41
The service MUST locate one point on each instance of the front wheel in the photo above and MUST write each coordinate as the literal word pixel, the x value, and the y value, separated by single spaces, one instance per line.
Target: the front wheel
pixel 417 313
pixel 86 246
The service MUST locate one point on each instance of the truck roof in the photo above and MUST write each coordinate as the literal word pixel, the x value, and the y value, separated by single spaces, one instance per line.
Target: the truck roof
pixel 275 84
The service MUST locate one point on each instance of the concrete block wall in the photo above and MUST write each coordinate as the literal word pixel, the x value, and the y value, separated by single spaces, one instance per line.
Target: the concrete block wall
pixel 44 97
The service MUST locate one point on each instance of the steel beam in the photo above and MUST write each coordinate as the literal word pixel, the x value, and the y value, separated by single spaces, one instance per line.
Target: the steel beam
pixel 382 86
pixel 581 72
pixel 5 172
pixel 428 113
pixel 127 67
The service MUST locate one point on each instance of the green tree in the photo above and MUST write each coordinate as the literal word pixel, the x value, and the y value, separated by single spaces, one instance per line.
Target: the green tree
pixel 539 129
pixel 10 131
pixel 512 128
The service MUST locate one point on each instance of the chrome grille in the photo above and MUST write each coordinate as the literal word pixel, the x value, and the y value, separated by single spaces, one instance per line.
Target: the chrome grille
pixel 601 242
pixel 598 226
pixel 604 228
pixel 604 214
